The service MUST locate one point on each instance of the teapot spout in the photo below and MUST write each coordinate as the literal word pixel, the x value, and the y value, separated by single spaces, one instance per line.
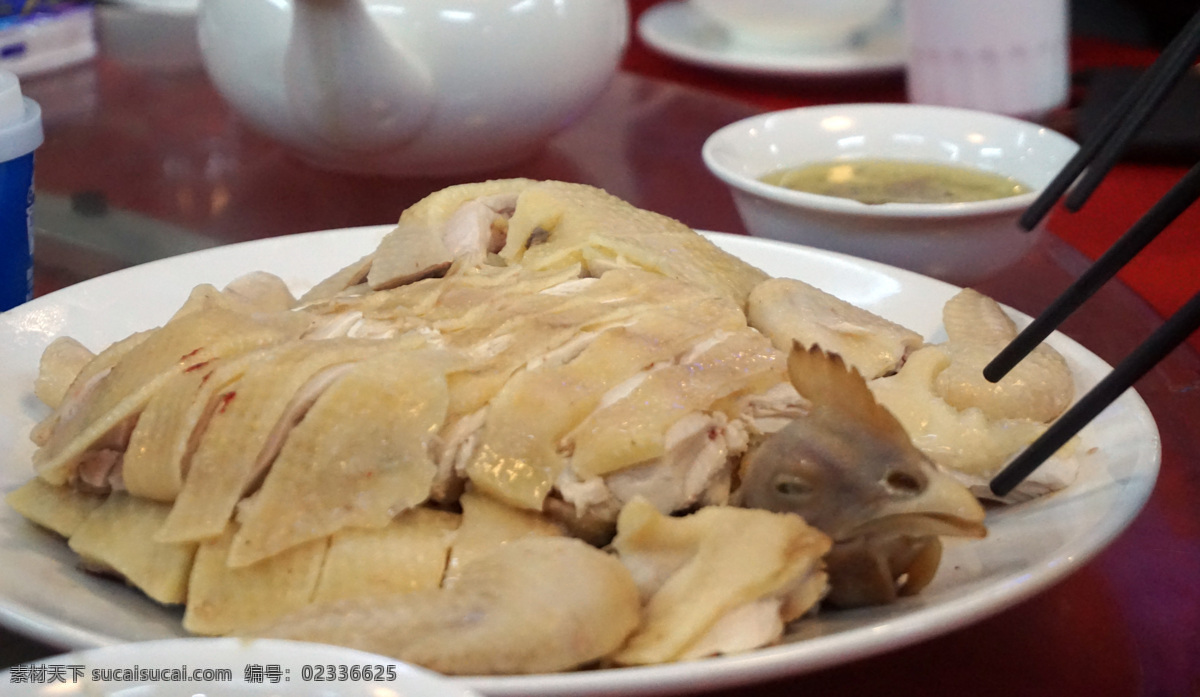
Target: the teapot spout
pixel 347 83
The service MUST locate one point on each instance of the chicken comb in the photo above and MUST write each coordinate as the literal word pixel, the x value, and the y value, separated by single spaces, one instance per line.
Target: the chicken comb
pixel 825 380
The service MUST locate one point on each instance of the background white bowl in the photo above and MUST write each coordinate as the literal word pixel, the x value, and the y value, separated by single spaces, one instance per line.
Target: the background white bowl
pixel 957 242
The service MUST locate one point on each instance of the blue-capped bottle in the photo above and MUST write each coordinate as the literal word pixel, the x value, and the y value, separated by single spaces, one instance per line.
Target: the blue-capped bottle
pixel 20 135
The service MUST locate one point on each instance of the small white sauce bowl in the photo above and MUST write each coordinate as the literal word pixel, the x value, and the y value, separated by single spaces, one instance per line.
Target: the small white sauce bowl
pixel 958 242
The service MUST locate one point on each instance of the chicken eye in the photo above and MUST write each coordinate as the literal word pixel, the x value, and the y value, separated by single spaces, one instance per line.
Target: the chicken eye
pixel 902 482
pixel 791 486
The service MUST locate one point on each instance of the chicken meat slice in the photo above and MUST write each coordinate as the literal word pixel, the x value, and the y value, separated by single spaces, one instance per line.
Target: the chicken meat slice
pixel 255 293
pixel 348 276
pixel 104 420
pixel 118 537
pixel 517 458
pixel 462 223
pixel 534 605
pixel 699 453
pixel 695 470
pixel 630 425
pixel 61 363
pixel 161 445
pixel 406 555
pixel 83 386
pixel 253 418
pixel 720 580
pixel 358 458
pixel 698 465
pixel 488 524
pixel 60 509
pixel 557 224
pixel 224 600
pixel 788 310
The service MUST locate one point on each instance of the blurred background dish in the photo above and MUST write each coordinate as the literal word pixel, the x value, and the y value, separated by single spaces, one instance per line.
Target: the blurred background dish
pixel 153 36
pixel 793 25
pixel 40 37
pixel 180 6
pixel 228 667
pixel 678 30
pixel 1008 58
pixel 961 242
pixel 412 87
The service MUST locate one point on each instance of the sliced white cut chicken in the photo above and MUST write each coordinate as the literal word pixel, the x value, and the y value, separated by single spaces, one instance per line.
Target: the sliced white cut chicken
pixel 124 390
pixel 61 363
pixel 518 457
pixel 118 537
pixel 695 468
pixel 350 275
pixel 167 431
pixel 719 580
pixel 631 428
pixel 83 387
pixel 788 310
pixel 557 224
pixel 359 457
pixel 249 426
pixel 224 600
pixel 60 509
pixel 535 605
pixel 254 293
pixel 406 555
pixel 487 525
pixel 462 223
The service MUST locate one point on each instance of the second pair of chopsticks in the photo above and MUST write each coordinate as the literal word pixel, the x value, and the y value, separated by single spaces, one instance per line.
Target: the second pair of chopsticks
pixel 1097 156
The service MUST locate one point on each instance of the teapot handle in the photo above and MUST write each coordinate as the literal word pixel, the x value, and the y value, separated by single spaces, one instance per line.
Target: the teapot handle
pixel 347 83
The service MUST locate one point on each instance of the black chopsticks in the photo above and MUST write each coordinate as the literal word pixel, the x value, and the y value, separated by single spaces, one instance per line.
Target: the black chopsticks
pixel 1168 208
pixel 1172 333
pixel 1098 156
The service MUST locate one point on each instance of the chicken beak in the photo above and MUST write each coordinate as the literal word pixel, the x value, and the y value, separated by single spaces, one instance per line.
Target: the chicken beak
pixel 942 507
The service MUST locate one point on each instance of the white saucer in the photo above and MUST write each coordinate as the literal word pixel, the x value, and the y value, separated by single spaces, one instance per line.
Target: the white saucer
pixel 679 31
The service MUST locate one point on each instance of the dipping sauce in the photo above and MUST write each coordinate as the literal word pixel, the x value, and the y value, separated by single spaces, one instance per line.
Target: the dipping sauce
pixel 877 181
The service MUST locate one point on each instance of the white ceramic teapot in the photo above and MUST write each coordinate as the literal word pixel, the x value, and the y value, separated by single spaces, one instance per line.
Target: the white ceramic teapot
pixel 412 87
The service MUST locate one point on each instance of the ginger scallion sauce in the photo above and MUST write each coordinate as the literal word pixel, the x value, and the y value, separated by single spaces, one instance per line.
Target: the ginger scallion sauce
pixel 875 181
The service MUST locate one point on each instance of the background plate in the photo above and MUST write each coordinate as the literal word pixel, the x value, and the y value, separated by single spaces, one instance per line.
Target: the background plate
pixel 1030 546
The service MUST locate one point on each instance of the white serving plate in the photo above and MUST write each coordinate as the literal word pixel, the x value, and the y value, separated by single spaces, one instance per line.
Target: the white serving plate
pixel 1030 546
pixel 679 31
pixel 303 671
